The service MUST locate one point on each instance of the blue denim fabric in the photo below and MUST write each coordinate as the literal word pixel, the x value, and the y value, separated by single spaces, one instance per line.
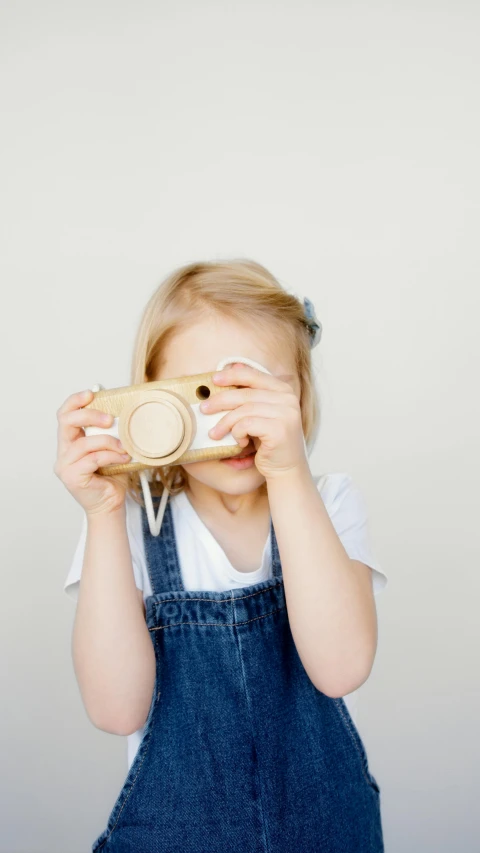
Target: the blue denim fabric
pixel 241 753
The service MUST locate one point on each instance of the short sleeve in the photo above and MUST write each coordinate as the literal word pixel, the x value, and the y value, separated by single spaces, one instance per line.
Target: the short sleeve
pixel 72 581
pixel 347 508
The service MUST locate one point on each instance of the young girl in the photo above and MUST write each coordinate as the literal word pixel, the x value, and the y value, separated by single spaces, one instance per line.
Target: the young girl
pixel 229 647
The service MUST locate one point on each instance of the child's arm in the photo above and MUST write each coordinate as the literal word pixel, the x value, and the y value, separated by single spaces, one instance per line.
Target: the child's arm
pixel 113 654
pixel 330 602
pixel 112 650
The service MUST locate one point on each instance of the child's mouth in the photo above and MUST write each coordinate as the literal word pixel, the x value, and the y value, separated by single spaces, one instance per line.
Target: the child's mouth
pixel 243 460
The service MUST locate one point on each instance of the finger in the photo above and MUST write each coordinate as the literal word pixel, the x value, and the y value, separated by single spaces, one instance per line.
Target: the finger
pixel 244 374
pixel 72 422
pixel 265 431
pixel 257 410
pixel 88 464
pixel 80 398
pixel 235 397
pixel 89 444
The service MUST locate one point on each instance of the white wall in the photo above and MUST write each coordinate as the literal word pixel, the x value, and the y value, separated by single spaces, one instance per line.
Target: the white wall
pixel 337 143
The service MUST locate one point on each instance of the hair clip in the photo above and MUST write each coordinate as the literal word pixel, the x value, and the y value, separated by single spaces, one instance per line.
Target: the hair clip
pixel 314 325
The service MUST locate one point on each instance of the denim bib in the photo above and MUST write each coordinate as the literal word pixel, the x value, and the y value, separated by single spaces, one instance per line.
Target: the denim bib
pixel 241 752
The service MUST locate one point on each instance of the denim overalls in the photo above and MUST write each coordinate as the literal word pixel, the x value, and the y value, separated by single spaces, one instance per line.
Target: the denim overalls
pixel 241 753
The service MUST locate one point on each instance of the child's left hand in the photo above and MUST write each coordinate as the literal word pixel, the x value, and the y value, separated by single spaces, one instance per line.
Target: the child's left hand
pixel 268 410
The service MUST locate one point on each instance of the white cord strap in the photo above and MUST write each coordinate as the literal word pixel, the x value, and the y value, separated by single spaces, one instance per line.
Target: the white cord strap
pixel 154 523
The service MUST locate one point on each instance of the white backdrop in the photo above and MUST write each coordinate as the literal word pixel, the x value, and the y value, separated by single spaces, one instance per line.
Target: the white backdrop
pixel 336 143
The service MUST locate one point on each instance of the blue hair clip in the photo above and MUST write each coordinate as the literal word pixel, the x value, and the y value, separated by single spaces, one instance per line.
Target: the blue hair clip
pixel 314 325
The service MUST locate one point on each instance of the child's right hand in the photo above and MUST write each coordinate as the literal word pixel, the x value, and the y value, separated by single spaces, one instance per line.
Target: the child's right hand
pixel 79 456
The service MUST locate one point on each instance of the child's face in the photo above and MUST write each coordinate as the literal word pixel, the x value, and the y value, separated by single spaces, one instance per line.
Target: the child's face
pixel 199 349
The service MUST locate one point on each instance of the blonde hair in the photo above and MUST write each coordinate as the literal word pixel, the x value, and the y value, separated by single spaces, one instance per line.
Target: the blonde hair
pixel 240 289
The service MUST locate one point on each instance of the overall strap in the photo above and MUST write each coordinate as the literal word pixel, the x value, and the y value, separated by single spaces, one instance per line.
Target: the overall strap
pixel 161 556
pixel 276 564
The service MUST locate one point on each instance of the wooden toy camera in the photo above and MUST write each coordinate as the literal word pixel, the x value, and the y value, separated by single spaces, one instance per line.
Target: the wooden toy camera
pixel 160 423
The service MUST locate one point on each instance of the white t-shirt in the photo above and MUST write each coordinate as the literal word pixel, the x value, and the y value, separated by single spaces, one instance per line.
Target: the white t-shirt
pixel 204 565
